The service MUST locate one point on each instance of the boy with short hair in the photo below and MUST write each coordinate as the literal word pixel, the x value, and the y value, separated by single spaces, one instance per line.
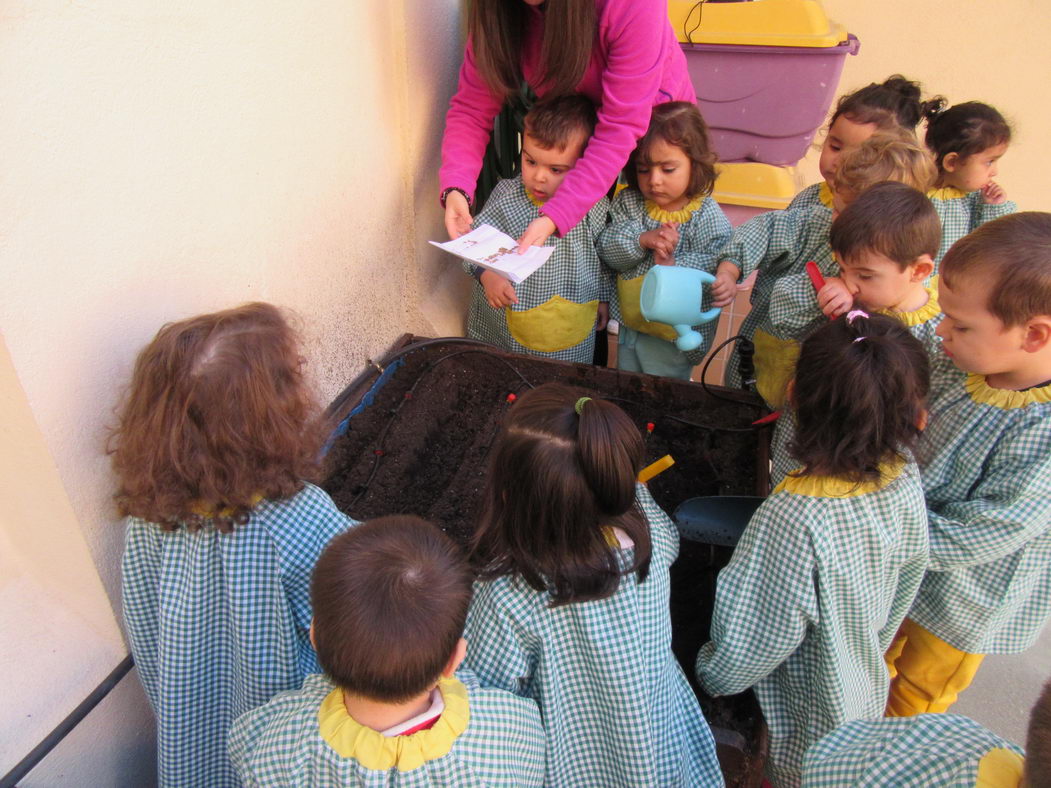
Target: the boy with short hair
pixel 986 463
pixel 780 243
pixel 931 749
pixel 555 311
pixel 390 599
pixel 885 242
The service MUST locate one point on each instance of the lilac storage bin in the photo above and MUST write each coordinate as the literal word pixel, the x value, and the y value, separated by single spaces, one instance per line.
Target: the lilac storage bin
pixel 765 103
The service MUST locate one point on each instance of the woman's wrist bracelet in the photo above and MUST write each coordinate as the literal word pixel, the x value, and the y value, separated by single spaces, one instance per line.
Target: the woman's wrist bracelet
pixel 445 193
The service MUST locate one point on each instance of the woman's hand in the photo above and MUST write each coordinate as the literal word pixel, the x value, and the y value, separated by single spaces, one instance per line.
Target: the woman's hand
pixel 457 215
pixel 536 234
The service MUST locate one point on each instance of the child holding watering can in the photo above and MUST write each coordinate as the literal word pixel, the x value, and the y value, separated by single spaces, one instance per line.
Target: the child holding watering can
pixel 667 217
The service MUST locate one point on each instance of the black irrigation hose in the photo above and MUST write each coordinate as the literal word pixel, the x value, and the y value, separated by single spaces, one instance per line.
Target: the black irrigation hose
pixel 377 451
pixel 708 362
pixel 74 718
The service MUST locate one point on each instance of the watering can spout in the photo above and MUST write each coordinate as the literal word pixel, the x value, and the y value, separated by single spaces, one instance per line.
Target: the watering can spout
pixel 672 294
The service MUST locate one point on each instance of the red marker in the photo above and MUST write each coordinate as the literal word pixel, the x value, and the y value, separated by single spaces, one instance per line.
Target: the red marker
pixel 769 418
pixel 816 279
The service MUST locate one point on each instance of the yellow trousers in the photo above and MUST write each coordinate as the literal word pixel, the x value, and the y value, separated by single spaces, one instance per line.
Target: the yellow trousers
pixel 927 674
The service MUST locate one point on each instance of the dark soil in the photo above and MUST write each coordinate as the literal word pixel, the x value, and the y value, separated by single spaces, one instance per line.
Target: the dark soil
pixel 421 447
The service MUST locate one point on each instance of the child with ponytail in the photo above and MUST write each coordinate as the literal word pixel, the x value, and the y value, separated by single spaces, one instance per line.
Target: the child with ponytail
pixel 967 141
pixel 830 563
pixel 571 608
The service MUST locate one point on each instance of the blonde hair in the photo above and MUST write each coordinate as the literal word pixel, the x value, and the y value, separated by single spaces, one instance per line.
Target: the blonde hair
pixel 892 155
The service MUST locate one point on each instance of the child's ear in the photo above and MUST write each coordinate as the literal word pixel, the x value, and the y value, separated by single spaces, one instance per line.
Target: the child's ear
pixel 790 393
pixel 1037 334
pixel 950 162
pixel 455 659
pixel 921 268
pixel 313 641
pixel 922 419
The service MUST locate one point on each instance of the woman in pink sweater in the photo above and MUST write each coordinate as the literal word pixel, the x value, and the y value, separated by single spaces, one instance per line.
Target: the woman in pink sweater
pixel 622 54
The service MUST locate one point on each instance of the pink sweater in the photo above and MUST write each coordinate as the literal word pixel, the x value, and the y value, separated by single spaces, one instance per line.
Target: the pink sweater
pixel 635 64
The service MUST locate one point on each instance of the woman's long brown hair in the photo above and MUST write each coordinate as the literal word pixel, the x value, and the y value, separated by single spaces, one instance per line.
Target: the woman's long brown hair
pixel 557 480
pixel 497 30
pixel 217 415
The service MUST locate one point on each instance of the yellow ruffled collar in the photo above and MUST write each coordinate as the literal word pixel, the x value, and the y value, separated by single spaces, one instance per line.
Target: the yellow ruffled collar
pixel 532 198
pixel 838 487
pixel 824 194
pixel 374 751
pixel 984 394
pixel 946 193
pixel 205 509
pixel 928 311
pixel 658 214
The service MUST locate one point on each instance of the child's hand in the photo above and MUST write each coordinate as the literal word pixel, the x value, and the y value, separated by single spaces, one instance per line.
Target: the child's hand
pixel 659 258
pixel 603 316
pixel 834 298
pixel 457 215
pixel 536 234
pixel 993 194
pixel 724 288
pixel 662 241
pixel 499 292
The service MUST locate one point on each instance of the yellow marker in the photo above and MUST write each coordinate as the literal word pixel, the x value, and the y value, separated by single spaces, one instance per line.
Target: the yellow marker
pixel 651 470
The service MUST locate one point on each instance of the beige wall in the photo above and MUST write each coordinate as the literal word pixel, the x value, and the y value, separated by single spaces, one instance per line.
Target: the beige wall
pixel 967 50
pixel 162 160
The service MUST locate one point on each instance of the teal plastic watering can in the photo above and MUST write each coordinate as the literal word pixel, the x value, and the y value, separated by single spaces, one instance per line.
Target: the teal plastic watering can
pixel 672 294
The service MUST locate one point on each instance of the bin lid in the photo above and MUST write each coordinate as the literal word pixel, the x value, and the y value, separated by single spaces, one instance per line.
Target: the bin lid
pixel 779 23
pixel 754 184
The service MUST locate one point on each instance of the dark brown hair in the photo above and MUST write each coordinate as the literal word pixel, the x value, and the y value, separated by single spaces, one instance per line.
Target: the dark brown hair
pixel 678 123
pixel 552 122
pixel 556 481
pixel 1012 255
pixel 860 388
pixel 894 155
pixel 216 415
pixel 964 129
pixel 390 599
pixel 497 30
pixel 890 218
pixel 1038 741
pixel 895 100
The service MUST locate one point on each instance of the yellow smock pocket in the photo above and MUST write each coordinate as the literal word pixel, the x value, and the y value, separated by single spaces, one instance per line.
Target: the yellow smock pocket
pixel 557 324
pixel 628 291
pixel 775 365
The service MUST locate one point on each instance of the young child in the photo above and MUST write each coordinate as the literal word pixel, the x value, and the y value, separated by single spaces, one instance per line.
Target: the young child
pixel 571 608
pixel 885 242
pixel 666 217
pixel 216 435
pixel 986 464
pixel 784 304
pixel 879 106
pixel 390 598
pixel 967 140
pixel 555 311
pixel 931 749
pixel 830 562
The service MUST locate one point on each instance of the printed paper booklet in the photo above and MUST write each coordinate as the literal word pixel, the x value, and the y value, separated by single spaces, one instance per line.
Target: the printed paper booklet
pixel 489 248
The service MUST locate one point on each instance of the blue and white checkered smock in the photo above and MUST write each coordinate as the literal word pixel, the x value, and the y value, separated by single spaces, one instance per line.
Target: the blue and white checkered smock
pixel 986 462
pixel 961 212
pixel 617 708
pixel 814 194
pixel 219 623
pixel 811 599
pixel 777 244
pixel 925 751
pixel 702 235
pixel 281 744
pixel 573 271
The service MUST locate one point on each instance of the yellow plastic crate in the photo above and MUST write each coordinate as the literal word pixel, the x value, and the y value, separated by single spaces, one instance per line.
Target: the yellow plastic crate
pixel 779 23
pixel 754 185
